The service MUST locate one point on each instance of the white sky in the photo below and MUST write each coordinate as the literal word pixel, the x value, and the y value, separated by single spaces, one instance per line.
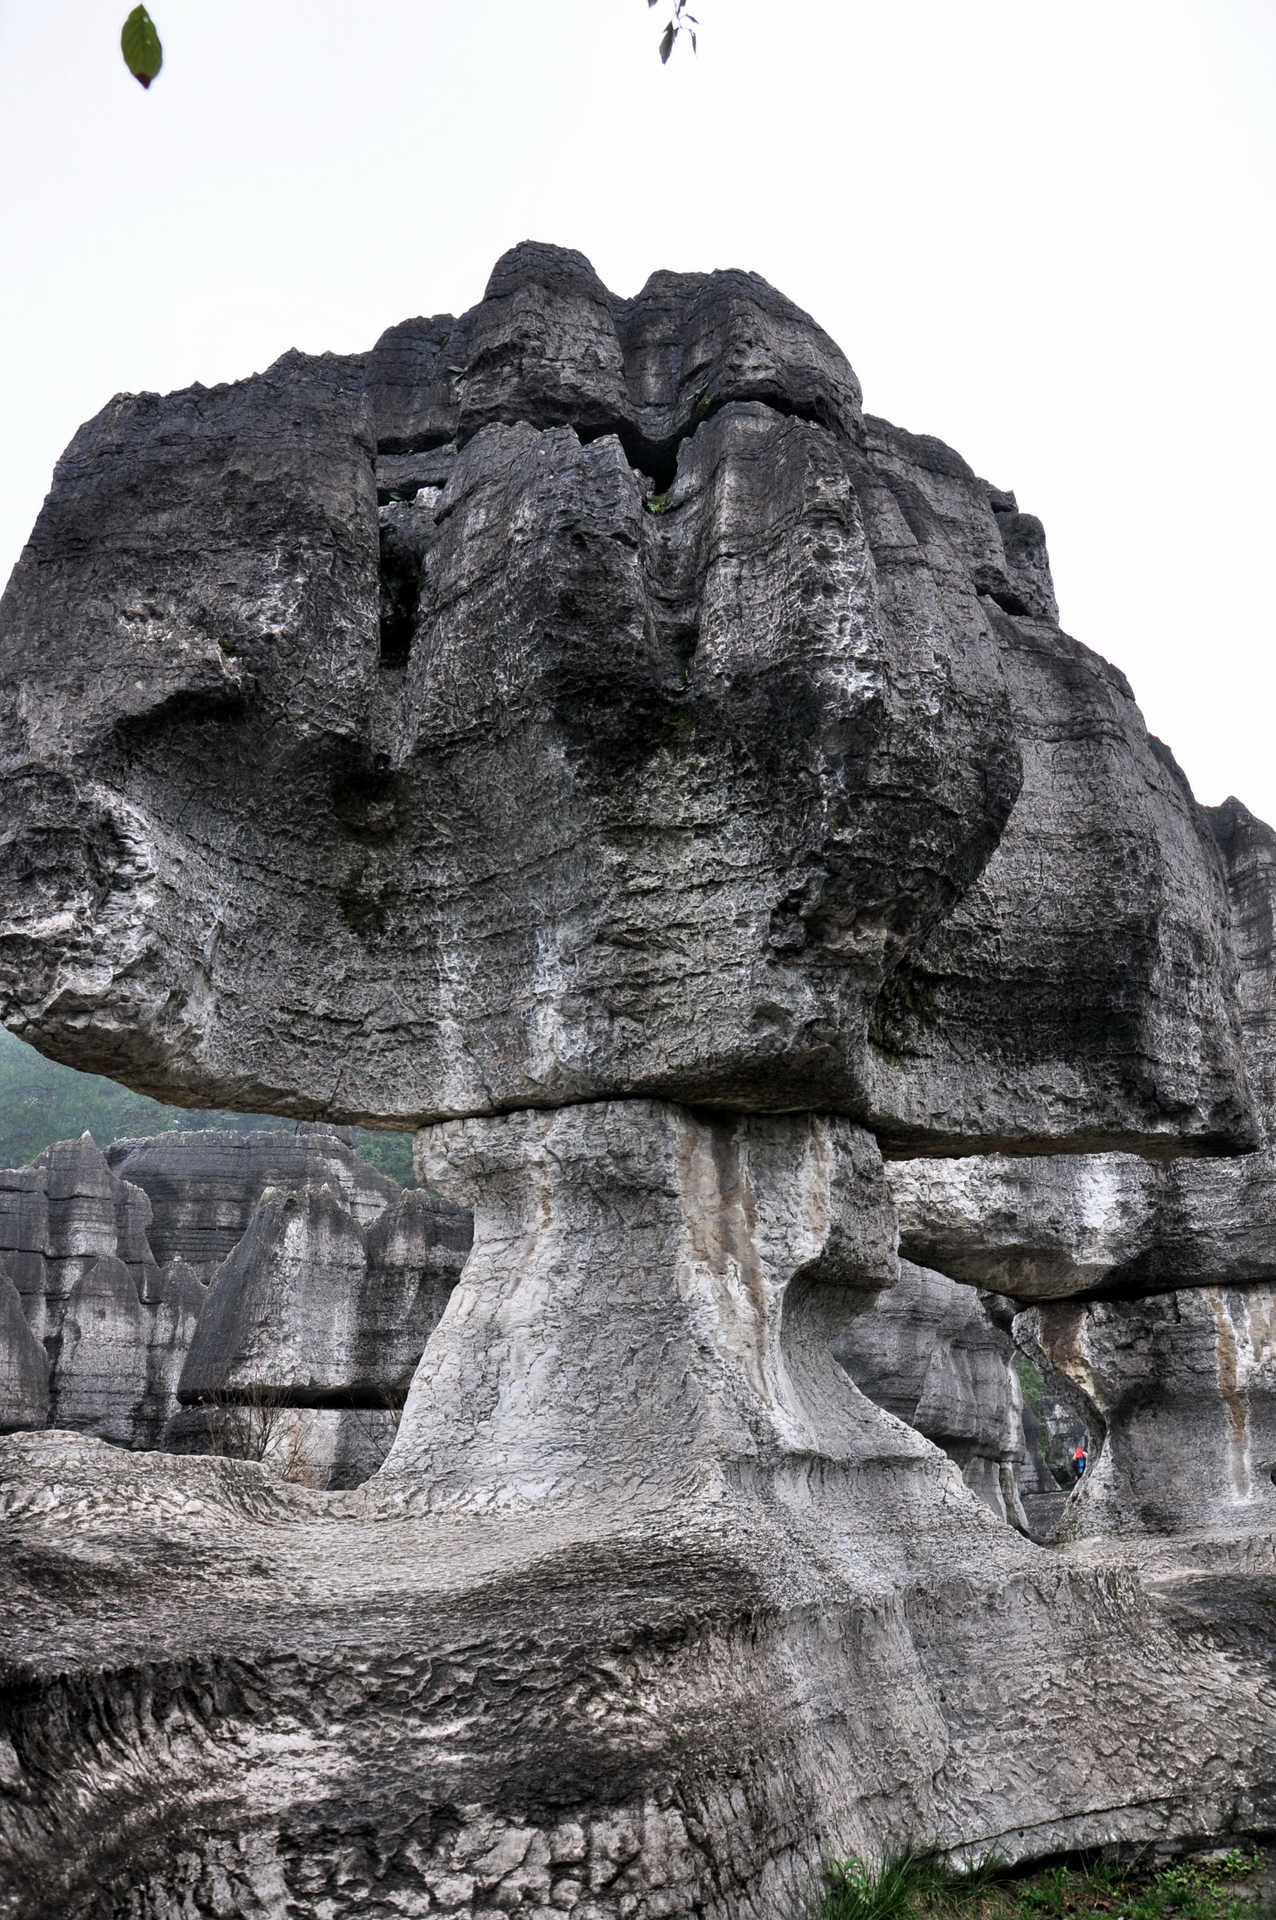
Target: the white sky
pixel 1043 231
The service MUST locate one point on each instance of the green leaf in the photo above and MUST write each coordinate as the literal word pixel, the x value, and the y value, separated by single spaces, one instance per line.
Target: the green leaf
pixel 140 45
pixel 667 39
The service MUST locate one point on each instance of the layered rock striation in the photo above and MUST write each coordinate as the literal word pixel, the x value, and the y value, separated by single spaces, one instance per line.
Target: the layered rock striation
pixel 1154 1278
pixel 328 1286
pixel 757 699
pixel 933 1352
pixel 576 729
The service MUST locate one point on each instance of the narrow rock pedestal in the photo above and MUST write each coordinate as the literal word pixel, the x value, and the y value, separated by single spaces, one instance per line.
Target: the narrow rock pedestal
pixel 649 1610
pixel 648 1310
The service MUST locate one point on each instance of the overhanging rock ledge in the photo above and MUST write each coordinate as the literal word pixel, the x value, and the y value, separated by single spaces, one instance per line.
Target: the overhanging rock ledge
pixel 577 731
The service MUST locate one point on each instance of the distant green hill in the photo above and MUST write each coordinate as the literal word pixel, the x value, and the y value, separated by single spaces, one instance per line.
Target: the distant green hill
pixel 41 1102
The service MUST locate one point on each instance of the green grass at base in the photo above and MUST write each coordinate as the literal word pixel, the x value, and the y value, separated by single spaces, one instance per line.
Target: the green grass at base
pixel 1212 1886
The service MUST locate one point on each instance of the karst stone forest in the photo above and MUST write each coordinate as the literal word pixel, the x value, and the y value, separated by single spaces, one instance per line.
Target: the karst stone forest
pixel 819 1402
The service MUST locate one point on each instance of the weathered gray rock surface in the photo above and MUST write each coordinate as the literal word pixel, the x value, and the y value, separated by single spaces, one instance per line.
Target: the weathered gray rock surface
pixel 576 727
pixel 606 1632
pixel 1170 1364
pixel 324 1298
pixel 61 1214
pixel 310 1309
pixel 931 1352
pixel 204 1185
pixel 1182 1388
pixel 24 1365
pixel 1048 1227
pixel 737 686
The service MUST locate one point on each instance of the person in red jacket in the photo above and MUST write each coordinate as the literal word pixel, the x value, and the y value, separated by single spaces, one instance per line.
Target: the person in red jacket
pixel 1078 1462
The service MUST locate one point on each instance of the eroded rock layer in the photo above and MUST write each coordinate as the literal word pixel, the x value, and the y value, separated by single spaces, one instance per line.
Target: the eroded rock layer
pixel 577 729
pixel 672 730
pixel 290 1333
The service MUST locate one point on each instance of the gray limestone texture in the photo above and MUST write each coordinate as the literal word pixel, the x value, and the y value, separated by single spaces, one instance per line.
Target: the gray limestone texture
pixel 576 729
pixel 62 1213
pixel 649 1609
pixel 1180 1393
pixel 932 1351
pixel 203 1185
pixel 310 1309
pixel 754 697
pixel 324 1292
pixel 24 1365
pixel 632 1230
pixel 100 1373
pixel 182 1299
pixel 1047 1227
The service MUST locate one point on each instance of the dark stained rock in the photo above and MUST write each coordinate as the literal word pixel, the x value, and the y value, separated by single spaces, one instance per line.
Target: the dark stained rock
pixel 59 1215
pixel 24 1367
pixel 100 1371
pixel 204 1185
pixel 182 1298
pixel 416 1251
pixel 576 727
pixel 1089 971
pixel 24 1236
pixel 729 681
pixel 309 1310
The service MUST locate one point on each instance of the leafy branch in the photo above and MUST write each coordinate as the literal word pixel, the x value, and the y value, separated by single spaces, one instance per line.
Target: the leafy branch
pixel 144 55
pixel 682 22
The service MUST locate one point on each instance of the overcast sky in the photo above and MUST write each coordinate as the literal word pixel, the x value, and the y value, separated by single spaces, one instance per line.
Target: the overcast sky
pixel 1043 231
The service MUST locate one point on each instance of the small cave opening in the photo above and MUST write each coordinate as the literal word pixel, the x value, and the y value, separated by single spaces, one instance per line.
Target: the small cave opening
pixel 941 1355
pixel 400 567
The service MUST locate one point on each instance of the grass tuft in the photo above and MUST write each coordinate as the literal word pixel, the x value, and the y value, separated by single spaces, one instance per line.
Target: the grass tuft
pixel 912 1886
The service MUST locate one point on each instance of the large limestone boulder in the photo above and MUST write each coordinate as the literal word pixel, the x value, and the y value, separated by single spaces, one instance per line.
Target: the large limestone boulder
pixel 182 1299
pixel 577 728
pixel 746 691
pixel 1046 1228
pixel 1181 1393
pixel 1169 1367
pixel 100 1375
pixel 62 1213
pixel 308 1310
pixel 649 1610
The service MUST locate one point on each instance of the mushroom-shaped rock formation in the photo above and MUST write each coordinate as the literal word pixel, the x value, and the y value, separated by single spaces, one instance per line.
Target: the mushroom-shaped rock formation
pixel 696 738
pixel 577 729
